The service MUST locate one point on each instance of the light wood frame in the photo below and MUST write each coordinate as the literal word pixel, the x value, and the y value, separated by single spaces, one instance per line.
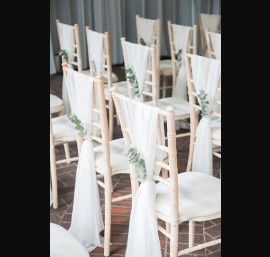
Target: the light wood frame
pixel 104 172
pixel 194 108
pixel 192 47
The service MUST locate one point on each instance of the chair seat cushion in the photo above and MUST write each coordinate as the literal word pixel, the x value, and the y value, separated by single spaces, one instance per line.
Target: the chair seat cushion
pixel 55 101
pixel 63 129
pixel 181 106
pixel 114 76
pixel 64 244
pixel 199 196
pixel 118 160
pixel 122 88
pixel 165 67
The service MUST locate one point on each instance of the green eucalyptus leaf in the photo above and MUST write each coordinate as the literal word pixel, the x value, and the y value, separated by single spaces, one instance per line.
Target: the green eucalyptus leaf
pixel 142 42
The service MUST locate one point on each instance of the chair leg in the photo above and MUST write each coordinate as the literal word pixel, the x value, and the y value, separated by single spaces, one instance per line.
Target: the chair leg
pixel 67 153
pixel 111 121
pixel 108 209
pixel 191 233
pixel 164 86
pixel 54 178
pixel 174 240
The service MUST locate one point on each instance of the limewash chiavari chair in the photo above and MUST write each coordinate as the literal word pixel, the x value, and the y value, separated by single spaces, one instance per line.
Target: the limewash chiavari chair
pixel 164 67
pixel 210 22
pixel 214 48
pixel 75 60
pixel 174 195
pixel 109 159
pixel 182 111
pixel 109 77
pixel 195 108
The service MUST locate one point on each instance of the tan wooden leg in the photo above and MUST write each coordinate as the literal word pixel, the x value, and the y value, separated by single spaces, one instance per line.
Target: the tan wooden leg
pixel 67 153
pixel 191 233
pixel 108 209
pixel 54 177
pixel 111 120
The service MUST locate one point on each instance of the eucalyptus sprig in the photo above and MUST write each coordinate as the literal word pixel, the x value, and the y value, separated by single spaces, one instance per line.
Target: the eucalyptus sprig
pixel 94 68
pixel 64 54
pixel 178 56
pixel 142 42
pixel 78 125
pixel 203 103
pixel 130 75
pixel 135 158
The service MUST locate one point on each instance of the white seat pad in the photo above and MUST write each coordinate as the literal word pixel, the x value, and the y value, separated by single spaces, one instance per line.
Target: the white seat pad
pixel 64 244
pixel 122 88
pixel 199 196
pixel 118 160
pixel 165 67
pixel 114 76
pixel 55 101
pixel 181 105
pixel 63 129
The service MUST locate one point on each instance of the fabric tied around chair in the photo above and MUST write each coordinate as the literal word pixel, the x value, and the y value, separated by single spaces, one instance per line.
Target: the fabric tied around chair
pixel 206 75
pixel 137 59
pixel 86 220
pixel 67 39
pixel 143 237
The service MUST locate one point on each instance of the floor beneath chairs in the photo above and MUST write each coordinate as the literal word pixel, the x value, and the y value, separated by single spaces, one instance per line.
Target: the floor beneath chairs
pixel 205 231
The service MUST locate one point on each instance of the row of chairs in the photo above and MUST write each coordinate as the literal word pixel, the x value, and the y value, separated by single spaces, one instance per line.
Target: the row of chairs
pixel 109 159
pixel 111 78
pixel 107 156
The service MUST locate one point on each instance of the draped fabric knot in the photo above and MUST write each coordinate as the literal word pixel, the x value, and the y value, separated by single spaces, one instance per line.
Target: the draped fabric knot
pixel 206 74
pixel 142 123
pixel 86 220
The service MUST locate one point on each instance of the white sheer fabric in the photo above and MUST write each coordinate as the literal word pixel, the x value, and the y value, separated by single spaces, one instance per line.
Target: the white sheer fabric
pixel 86 220
pixel 137 56
pixel 206 74
pixel 180 38
pixel 67 39
pixel 95 44
pixel 146 30
pixel 216 43
pixel 143 237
